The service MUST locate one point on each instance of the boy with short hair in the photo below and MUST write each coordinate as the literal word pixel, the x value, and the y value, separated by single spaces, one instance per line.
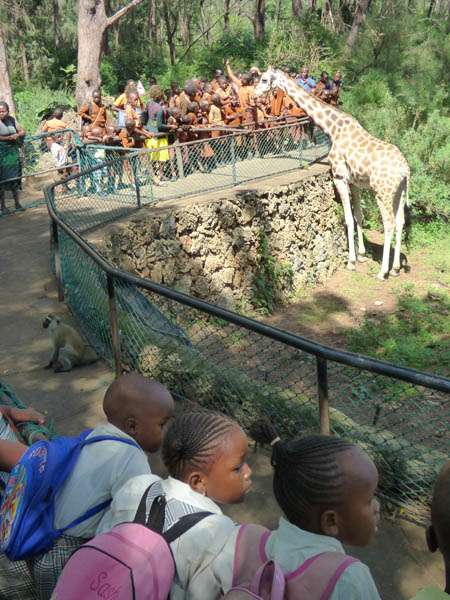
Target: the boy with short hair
pixel 438 533
pixel 136 408
pixel 94 113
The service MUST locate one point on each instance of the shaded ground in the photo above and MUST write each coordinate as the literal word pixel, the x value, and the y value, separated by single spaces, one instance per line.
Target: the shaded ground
pixel 322 313
pixel 398 556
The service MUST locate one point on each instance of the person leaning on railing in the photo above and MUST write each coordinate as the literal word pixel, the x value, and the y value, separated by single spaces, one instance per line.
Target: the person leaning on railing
pixel 11 135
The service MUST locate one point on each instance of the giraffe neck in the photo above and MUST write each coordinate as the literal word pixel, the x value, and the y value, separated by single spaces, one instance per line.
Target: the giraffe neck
pixel 322 114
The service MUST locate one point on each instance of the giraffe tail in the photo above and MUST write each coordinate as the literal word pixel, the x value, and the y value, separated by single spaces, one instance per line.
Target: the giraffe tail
pixel 407 212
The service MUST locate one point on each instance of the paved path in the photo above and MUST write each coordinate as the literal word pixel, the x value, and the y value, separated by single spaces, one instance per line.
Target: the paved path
pixel 398 556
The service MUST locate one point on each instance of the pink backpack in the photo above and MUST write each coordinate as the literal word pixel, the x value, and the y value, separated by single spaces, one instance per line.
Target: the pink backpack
pixel 133 561
pixel 254 576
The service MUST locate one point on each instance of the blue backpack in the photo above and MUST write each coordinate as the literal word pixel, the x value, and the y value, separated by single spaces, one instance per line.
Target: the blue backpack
pixel 27 509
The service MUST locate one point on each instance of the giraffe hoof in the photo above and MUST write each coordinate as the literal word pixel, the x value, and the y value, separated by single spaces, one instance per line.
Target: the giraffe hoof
pixel 362 258
pixel 381 277
pixel 351 266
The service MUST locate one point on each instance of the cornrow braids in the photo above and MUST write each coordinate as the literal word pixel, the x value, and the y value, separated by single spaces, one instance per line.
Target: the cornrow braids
pixel 306 471
pixel 192 440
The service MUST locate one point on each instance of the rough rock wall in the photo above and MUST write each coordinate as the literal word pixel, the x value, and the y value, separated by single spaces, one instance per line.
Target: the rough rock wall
pixel 213 251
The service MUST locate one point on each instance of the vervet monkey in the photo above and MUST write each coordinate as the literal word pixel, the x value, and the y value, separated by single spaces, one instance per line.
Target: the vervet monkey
pixel 68 346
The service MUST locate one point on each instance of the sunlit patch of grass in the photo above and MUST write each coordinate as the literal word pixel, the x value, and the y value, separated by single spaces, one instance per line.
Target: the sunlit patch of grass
pixel 416 335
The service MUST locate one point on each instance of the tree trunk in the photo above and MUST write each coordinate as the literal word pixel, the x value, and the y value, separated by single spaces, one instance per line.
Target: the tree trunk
pixel 23 55
pixel 204 21
pixel 297 8
pixel 92 24
pixel 57 24
pixel 183 24
pixel 5 82
pixel 169 31
pixel 430 8
pixel 153 28
pixel 258 21
pixel 226 15
pixel 360 14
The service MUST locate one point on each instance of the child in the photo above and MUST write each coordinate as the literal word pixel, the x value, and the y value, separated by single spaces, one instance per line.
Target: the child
pixel 94 113
pixel 136 408
pixel 438 533
pixel 9 417
pixel 325 487
pixel 54 141
pixel 205 455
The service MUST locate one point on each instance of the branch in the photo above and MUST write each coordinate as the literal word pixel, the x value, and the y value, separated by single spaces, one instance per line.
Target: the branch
pixel 209 29
pixel 122 12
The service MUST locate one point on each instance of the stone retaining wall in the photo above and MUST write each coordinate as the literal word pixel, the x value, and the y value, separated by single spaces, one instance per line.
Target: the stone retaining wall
pixel 213 251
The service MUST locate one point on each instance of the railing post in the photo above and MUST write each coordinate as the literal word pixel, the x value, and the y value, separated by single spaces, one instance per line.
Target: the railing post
pixel 233 158
pixel 57 261
pixel 134 169
pixel 300 144
pixel 322 388
pixel 114 325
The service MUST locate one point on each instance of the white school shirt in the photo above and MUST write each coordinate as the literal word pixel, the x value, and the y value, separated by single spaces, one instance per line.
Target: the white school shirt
pixel 102 469
pixel 291 546
pixel 199 552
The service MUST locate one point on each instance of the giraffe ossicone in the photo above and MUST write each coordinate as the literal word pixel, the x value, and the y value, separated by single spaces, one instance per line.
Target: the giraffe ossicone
pixel 358 160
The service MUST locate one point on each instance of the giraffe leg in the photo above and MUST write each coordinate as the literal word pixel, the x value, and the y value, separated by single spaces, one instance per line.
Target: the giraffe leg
pixel 388 232
pixel 358 217
pixel 399 222
pixel 343 191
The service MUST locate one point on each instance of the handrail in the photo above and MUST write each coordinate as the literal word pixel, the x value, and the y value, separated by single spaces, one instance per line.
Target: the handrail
pixel 436 382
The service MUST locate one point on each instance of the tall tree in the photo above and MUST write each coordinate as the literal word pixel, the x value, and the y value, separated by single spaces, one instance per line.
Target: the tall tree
pixel 360 14
pixel 92 24
pixel 259 19
pixel 5 82
pixel 57 25
pixel 171 27
pixel 297 8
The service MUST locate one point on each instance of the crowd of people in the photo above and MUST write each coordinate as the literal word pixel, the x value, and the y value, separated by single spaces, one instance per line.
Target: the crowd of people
pixel 325 487
pixel 202 110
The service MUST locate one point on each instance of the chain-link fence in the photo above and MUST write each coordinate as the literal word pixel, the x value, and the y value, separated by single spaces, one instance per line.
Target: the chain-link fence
pixel 34 162
pixel 223 360
pixel 115 181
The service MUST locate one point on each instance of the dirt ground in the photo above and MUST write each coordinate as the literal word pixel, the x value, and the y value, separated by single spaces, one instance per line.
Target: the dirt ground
pixel 398 557
pixel 323 312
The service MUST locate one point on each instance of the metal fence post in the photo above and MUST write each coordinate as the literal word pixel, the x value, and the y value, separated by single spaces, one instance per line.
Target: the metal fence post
pixel 322 388
pixel 300 145
pixel 233 158
pixel 114 325
pixel 134 168
pixel 57 261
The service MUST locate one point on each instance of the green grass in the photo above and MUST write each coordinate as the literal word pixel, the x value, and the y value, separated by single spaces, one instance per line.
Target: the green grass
pixel 416 335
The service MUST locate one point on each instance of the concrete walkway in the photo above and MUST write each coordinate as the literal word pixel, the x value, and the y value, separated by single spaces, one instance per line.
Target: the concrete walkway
pixel 398 557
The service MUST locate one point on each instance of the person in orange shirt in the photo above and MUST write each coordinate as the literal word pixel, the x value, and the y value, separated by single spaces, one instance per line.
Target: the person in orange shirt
pixel 94 114
pixel 54 124
pixel 246 95
pixel 130 109
pixel 121 101
pixel 174 100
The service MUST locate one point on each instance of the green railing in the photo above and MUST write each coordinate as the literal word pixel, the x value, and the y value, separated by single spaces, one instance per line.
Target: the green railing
pixel 226 361
pixel 30 165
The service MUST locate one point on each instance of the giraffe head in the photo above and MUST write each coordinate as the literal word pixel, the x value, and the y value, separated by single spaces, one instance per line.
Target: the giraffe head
pixel 267 82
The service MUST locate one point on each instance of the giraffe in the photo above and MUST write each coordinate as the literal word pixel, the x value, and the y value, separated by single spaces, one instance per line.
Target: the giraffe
pixel 358 160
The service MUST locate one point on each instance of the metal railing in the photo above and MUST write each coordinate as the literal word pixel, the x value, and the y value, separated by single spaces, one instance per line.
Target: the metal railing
pixel 247 369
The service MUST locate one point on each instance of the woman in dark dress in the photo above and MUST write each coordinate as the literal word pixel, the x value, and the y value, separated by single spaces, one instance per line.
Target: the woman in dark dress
pixel 11 133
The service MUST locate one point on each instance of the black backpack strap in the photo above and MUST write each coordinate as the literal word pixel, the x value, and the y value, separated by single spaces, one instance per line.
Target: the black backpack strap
pixel 183 525
pixel 155 519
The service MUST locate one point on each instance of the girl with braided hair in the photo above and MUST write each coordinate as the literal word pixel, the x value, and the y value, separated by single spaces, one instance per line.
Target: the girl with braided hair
pixel 325 486
pixel 205 455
